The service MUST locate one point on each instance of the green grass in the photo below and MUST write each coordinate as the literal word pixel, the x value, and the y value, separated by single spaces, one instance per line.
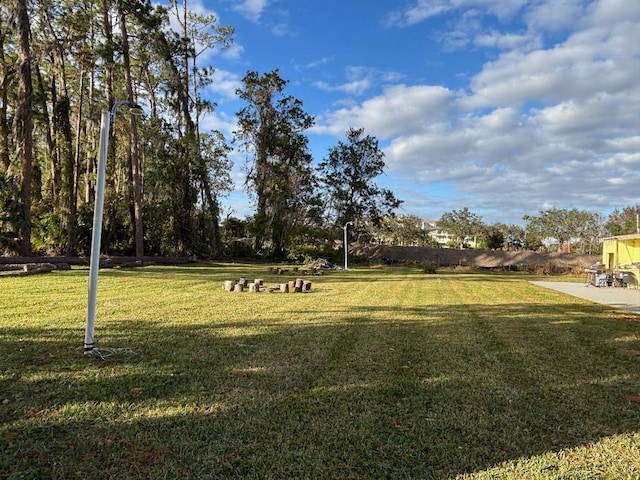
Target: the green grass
pixel 375 373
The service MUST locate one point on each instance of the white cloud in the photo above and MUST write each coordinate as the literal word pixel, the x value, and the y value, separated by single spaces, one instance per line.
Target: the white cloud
pixel 356 87
pixel 625 143
pixel 555 15
pixel 507 41
pixel 400 109
pixel 616 11
pixel 551 121
pixel 219 121
pixel 554 125
pixel 359 80
pixel 224 84
pixel 317 63
pixel 422 10
pixel 234 52
pixel 591 61
pixel 251 9
pixel 282 30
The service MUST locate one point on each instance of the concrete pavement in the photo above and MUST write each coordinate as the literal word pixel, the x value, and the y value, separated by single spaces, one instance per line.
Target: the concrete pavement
pixel 616 297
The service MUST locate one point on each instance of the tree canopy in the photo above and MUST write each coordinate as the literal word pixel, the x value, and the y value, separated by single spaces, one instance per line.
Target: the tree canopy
pixel 566 227
pixel 271 127
pixel 62 64
pixel 348 177
pixel 462 224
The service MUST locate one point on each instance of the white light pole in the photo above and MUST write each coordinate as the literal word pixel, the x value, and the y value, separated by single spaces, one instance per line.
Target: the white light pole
pixel 346 246
pixel 96 237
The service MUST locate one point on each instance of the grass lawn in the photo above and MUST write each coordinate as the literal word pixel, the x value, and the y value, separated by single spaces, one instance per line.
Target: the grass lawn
pixel 375 373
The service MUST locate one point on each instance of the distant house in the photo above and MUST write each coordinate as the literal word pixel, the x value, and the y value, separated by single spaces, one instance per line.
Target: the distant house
pixel 622 254
pixel 445 239
pixel 440 237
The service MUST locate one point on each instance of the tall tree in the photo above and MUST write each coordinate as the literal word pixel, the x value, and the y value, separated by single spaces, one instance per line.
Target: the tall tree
pixel 9 193
pixel 462 224
pixel 625 221
pixel 404 230
pixel 566 226
pixel 83 56
pixel 494 236
pixel 213 179
pixel 172 66
pixel 168 192
pixel 134 156
pixel 205 34
pixel 25 124
pixel 61 28
pixel 271 128
pixel 7 72
pixel 348 177
pixel 591 230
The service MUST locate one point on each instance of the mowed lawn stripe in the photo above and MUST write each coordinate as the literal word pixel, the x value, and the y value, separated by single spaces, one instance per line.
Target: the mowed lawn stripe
pixel 376 373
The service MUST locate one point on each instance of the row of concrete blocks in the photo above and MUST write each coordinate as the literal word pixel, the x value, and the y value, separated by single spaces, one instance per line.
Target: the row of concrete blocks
pixel 297 285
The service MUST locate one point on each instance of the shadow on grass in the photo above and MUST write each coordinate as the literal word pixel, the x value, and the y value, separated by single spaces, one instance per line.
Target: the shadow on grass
pixel 446 390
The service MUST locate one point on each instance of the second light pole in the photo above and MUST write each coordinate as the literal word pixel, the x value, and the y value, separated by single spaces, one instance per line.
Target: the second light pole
pixel 346 244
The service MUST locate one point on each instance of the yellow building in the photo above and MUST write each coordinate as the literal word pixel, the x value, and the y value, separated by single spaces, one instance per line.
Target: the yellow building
pixel 621 255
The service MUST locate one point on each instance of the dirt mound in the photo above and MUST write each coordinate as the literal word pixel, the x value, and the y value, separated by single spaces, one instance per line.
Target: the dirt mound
pixel 448 257
pixel 319 264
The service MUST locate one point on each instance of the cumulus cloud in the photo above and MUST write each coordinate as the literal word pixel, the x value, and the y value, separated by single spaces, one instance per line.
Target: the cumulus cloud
pixel 355 87
pixel 224 85
pixel 251 9
pixel 220 122
pixel 359 80
pixel 506 41
pixel 234 52
pixel 542 123
pixel 418 12
pixel 422 10
pixel 400 109
pixel 555 16
pixel 591 61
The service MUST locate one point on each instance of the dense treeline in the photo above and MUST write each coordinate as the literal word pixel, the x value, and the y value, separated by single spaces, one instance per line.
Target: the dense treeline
pixel 561 230
pixel 62 64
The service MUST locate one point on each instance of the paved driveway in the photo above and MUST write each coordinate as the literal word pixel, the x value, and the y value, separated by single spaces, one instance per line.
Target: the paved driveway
pixel 617 297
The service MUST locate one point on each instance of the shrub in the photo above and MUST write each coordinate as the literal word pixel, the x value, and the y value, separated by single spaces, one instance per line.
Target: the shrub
pixel 429 267
pixel 304 254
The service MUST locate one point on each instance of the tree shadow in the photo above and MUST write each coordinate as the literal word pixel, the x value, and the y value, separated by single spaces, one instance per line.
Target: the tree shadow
pixel 436 392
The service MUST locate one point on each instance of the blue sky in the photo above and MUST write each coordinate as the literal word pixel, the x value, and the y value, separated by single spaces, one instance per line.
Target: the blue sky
pixel 506 107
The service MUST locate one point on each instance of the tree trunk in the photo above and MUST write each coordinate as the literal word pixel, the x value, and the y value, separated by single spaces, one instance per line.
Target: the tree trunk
pixel 108 53
pixel 91 161
pixel 107 82
pixel 136 177
pixel 72 245
pixel 25 127
pixel 136 181
pixel 5 74
pixel 43 105
pixel 62 122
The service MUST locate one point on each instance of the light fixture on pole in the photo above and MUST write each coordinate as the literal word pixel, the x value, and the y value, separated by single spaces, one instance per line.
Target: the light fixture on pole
pixel 96 236
pixel 346 246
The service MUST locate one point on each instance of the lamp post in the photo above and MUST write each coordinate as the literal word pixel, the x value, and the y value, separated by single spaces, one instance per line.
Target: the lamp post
pixel 96 236
pixel 346 247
